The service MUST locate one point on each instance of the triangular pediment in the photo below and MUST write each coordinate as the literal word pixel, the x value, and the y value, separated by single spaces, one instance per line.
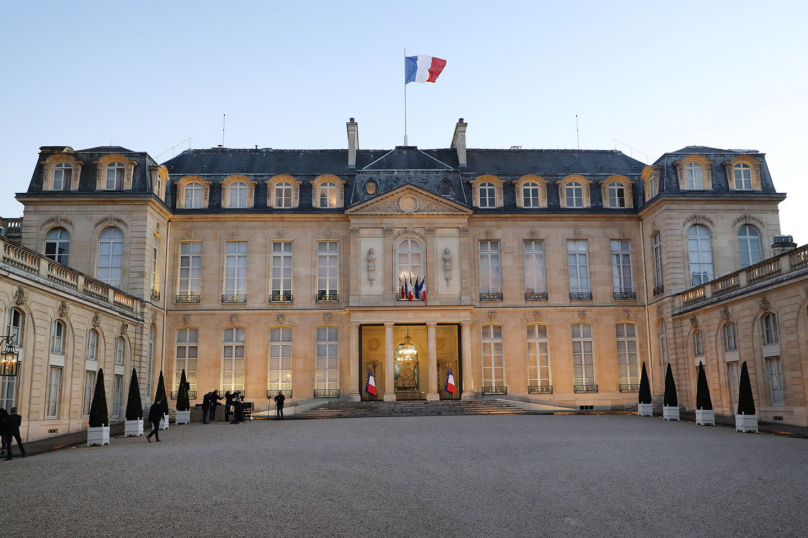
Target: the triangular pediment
pixel 408 200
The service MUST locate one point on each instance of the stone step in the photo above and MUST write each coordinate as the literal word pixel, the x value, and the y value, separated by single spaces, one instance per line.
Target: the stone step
pixel 411 408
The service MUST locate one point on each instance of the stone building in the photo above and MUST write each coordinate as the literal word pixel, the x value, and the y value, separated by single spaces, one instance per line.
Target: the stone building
pixel 546 277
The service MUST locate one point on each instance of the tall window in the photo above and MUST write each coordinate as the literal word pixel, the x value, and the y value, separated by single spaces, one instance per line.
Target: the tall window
pixel 280 358
pixel 652 187
pixel 62 176
pixel 155 266
pixel 14 326
pixel 530 194
pixel 663 342
pixel 490 275
pixel 578 266
pixel 535 282
pixel 58 338
pixel 698 344
pixel 92 345
pixel 583 355
pixel 327 269
pixel 538 357
pixel 110 257
pixel 730 337
pixel 488 195
pixel 749 249
pixel 54 391
pixel 233 359
pixel 627 361
pixel 120 351
pixel 743 177
pixel 115 173
pixel 89 386
pixel 617 195
pixel 238 194
pixel 701 255
pixel 657 243
pixel 150 364
pixel 235 272
pixel 190 268
pixel 328 195
pixel 8 384
pixel 732 380
pixel 282 252
pixel 694 176
pixel 493 362
pixel 187 340
pixel 117 393
pixel 409 258
pixel 770 329
pixel 621 268
pixel 57 245
pixel 574 194
pixel 776 381
pixel 193 196
pixel 283 195
pixel 327 375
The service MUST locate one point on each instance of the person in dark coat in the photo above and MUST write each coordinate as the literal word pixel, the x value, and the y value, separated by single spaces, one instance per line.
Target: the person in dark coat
pixel 3 429
pixel 228 403
pixel 238 411
pixel 214 401
pixel 205 407
pixel 279 399
pixel 13 431
pixel 155 416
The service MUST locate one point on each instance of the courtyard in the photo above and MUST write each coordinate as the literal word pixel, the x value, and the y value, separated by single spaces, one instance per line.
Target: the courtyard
pixel 418 476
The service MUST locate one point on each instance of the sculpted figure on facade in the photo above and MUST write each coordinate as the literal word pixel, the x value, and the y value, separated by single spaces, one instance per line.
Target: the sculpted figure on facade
pixel 21 296
pixel 371 259
pixel 447 265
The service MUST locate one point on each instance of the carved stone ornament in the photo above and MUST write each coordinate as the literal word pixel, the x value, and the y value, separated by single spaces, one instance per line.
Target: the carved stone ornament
pixel 124 328
pixel 694 322
pixel 659 311
pixel 327 317
pixel 627 314
pixel 582 315
pixel 281 233
pixel 699 219
pixel 447 265
pixel 233 318
pixel 764 304
pixel 464 230
pixel 64 309
pixel 21 296
pixel 353 231
pixel 281 318
pixel 725 313
pixel 186 318
pixel 387 230
pixel 96 320
pixel 111 221
pixel 537 315
pixel 430 230
pixel 371 259
pixel 491 315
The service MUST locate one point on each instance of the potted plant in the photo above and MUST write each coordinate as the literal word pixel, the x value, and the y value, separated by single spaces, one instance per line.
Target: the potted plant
pixel 670 404
pixel 644 406
pixel 134 409
pixel 98 430
pixel 705 416
pixel 183 415
pixel 745 419
pixel 161 395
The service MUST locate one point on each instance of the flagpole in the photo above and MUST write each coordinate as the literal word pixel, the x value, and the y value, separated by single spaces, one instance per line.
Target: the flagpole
pixel 405 98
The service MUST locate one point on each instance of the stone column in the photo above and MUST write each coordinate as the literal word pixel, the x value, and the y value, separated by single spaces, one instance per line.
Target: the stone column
pixel 465 337
pixel 353 389
pixel 389 363
pixel 432 362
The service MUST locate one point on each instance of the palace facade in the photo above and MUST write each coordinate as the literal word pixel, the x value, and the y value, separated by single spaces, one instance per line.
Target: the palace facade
pixel 545 277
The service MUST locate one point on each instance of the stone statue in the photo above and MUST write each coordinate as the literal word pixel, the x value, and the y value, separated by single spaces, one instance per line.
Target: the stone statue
pixel 371 259
pixel 447 265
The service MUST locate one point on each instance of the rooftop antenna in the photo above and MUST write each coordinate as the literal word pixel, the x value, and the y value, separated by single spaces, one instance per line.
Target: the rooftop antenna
pixel 223 118
pixel 577 134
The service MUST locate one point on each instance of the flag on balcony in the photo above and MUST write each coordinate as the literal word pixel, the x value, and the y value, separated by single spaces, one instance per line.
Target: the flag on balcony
pixel 370 387
pixel 420 289
pixel 450 384
pixel 404 290
pixel 410 289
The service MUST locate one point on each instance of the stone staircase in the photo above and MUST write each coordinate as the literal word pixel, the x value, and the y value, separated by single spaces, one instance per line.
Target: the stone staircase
pixel 416 408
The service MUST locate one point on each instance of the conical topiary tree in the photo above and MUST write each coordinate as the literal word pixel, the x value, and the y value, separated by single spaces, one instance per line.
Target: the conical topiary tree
pixel 134 407
pixel 703 400
pixel 670 399
pixel 746 402
pixel 183 404
pixel 161 393
pixel 645 387
pixel 99 415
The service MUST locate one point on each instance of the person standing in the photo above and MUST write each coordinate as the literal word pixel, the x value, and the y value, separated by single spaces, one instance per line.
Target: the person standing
pixel 13 431
pixel 155 416
pixel 214 402
pixel 279 399
pixel 228 403
pixel 205 407
pixel 3 429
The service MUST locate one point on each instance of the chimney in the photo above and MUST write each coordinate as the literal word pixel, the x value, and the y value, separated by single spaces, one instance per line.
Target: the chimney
pixel 459 142
pixel 353 143
pixel 782 244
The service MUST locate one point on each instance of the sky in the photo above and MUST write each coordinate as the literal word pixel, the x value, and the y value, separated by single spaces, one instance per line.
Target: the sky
pixel 654 76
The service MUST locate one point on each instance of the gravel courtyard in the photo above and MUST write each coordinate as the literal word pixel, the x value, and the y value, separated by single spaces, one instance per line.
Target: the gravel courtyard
pixel 421 476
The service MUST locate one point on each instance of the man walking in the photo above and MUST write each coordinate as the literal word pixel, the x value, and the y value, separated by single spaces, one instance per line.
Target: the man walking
pixel 13 431
pixel 214 402
pixel 205 407
pixel 155 415
pixel 279 399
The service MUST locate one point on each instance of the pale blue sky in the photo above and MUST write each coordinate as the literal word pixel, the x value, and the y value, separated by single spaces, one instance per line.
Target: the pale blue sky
pixel 290 74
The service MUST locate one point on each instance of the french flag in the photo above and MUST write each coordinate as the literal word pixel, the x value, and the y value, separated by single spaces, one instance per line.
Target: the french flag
pixel 423 68
pixel 370 388
pixel 450 384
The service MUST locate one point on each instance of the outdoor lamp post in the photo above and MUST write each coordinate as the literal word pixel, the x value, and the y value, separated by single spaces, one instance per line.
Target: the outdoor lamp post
pixel 9 358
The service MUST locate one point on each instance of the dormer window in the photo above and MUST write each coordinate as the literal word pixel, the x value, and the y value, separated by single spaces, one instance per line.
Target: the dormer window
pixel 694 176
pixel 193 196
pixel 530 194
pixel 238 195
pixel 328 195
pixel 743 177
pixel 617 195
pixel 575 194
pixel 62 176
pixel 115 175
pixel 283 195
pixel 488 195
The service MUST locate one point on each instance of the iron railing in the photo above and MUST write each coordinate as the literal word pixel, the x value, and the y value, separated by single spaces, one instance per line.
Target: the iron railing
pixel 659 290
pixel 580 296
pixel 326 393
pixel 326 297
pixel 155 294
pixel 629 387
pixel 625 296
pixel 281 297
pixel 491 296
pixel 495 390
pixel 536 296
pixel 540 389
pixel 234 298
pixel 272 393
pixel 589 387
pixel 188 298
pixel 191 394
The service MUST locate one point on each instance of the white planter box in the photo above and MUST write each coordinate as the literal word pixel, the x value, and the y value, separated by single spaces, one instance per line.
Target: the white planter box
pixel 98 436
pixel 182 417
pixel 164 422
pixel 746 423
pixel 705 417
pixel 134 428
pixel 670 412
pixel 645 410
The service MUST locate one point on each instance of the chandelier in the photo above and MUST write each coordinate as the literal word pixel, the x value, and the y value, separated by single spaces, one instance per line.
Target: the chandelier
pixel 407 352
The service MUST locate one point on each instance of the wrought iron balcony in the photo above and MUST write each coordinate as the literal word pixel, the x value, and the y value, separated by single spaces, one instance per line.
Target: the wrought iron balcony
pixel 272 393
pixel 326 393
pixel 155 294
pixel 491 296
pixel 234 298
pixel 580 296
pixel 535 296
pixel 629 387
pixel 625 296
pixel 495 390
pixel 188 299
pixel 191 394
pixel 281 297
pixel 659 290
pixel 540 389
pixel 327 297
pixel 589 387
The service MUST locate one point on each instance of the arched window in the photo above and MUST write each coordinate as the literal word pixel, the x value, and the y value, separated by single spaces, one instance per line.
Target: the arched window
pixel 328 194
pixel 58 338
pixel 574 194
pixel 694 176
pixel 743 177
pixel 57 245
pixel 493 363
pixel 617 195
pixel 283 195
pixel 120 353
pixel 530 194
pixel 488 195
pixel 233 359
pixel 701 255
pixel 238 195
pixel 14 326
pixel 115 172
pixel 663 342
pixel 698 344
pixel 280 359
pixel 730 337
pixel 538 359
pixel 583 358
pixel 92 345
pixel 62 176
pixel 658 276
pixel 409 255
pixel 193 196
pixel 110 257
pixel 769 326
pixel 749 248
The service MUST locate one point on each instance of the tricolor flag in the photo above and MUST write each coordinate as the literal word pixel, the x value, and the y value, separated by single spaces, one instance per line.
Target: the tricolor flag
pixel 410 290
pixel 450 385
pixel 370 388
pixel 422 69
pixel 403 283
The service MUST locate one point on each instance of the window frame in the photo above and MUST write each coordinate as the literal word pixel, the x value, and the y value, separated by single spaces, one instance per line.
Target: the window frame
pixel 490 261
pixel 663 342
pixel 194 189
pixel 117 396
pixel 327 354
pixel 533 257
pixel 237 194
pixel 60 245
pixel 58 335
pixel 186 341
pixel 412 256
pixel 659 276
pixel 89 388
pixel 701 276
pixel 190 257
pixel 742 167
pixel 324 194
pixel 617 195
pixel 730 332
pixel 324 277
pixel 768 325
pixel 110 257
pixel 230 341
pixel 574 258
pixel 698 343
pixel 92 345
pixel 746 246
pixel 539 367
pixel 692 182
pixel 574 195
pixel 120 351
pixel 487 192
pixel 774 370
pixel 15 330
pixel 281 201
pixel 280 342
pixel 581 355
pixel 65 182
pixel 627 354
pixel 117 178
pixel 531 195
pixel 493 356
pixel 235 268
pixel 54 392
pixel 622 274
pixel 281 285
